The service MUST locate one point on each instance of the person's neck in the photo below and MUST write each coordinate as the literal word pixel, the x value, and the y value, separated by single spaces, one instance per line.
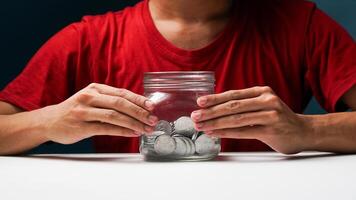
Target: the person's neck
pixel 190 11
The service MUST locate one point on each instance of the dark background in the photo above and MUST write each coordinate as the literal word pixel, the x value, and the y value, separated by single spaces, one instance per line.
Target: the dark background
pixel 26 25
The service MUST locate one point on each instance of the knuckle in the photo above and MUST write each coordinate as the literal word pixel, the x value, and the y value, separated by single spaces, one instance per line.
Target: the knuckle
pixel 210 112
pixel 256 89
pixel 93 86
pixel 277 105
pixel 111 114
pixel 269 99
pixel 84 97
pixel 141 113
pixel 139 100
pixel 238 117
pixel 266 89
pixel 274 115
pixel 234 105
pixel 118 102
pixel 121 92
pixel 274 101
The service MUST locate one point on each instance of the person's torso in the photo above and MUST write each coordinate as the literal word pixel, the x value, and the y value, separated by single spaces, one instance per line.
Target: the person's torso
pixel 263 45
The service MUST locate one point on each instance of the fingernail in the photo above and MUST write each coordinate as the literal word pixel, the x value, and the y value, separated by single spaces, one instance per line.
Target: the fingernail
pixel 196 115
pixel 148 129
pixel 152 120
pixel 202 101
pixel 149 105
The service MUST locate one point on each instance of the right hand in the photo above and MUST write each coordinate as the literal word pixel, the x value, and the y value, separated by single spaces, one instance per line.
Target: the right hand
pixel 98 110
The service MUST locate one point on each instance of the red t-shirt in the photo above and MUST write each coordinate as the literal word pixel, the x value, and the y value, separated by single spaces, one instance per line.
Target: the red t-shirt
pixel 288 45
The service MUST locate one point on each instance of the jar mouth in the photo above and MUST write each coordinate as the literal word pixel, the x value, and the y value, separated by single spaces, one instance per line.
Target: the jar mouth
pixel 188 80
pixel 180 72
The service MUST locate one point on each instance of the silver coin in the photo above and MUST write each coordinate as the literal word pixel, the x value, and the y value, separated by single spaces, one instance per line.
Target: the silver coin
pixel 184 126
pixel 157 133
pixel 189 146
pixel 164 145
pixel 164 126
pixel 192 147
pixel 150 139
pixel 196 135
pixel 146 149
pixel 181 147
pixel 205 145
pixel 145 139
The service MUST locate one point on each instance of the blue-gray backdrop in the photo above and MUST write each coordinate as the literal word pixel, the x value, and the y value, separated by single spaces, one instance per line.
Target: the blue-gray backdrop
pixel 26 25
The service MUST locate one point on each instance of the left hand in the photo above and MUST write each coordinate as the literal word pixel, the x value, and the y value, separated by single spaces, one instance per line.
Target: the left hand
pixel 253 113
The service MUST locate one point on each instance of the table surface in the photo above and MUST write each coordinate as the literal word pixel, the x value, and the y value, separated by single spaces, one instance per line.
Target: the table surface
pixel 275 176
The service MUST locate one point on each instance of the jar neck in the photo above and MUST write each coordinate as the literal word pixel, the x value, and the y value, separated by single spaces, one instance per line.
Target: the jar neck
pixel 187 81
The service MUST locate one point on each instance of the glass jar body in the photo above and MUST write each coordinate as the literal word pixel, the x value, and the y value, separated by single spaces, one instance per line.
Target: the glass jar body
pixel 175 96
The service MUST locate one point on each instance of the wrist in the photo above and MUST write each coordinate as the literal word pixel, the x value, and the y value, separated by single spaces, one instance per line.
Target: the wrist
pixel 314 126
pixel 42 125
pixel 21 132
pixel 38 125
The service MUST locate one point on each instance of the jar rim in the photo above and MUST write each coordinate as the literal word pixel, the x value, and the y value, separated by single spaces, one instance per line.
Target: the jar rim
pixel 181 72
pixel 180 80
pixel 179 76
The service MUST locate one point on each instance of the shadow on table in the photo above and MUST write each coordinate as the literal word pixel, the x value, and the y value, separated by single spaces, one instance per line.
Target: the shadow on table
pixel 79 158
pixel 233 158
pixel 251 158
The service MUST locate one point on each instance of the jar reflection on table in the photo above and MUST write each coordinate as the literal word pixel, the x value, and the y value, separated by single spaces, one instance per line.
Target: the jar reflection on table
pixel 175 95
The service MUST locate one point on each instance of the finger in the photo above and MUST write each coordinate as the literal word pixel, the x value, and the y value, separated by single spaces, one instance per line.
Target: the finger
pixel 214 99
pixel 266 101
pixel 228 108
pixel 255 132
pixel 98 128
pixel 124 106
pixel 116 118
pixel 239 120
pixel 130 96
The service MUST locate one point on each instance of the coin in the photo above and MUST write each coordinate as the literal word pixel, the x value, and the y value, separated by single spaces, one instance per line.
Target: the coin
pixel 192 145
pixel 181 147
pixel 184 126
pixel 196 135
pixel 146 149
pixel 157 133
pixel 189 146
pixel 205 145
pixel 150 139
pixel 164 126
pixel 164 145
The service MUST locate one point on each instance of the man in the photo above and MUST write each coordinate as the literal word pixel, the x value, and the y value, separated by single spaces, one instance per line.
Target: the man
pixel 268 56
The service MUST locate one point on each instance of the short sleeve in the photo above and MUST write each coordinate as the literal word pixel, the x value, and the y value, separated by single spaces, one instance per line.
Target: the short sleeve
pixel 330 59
pixel 49 77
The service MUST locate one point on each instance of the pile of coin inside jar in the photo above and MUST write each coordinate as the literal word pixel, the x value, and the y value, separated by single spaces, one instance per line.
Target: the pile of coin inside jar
pixel 178 139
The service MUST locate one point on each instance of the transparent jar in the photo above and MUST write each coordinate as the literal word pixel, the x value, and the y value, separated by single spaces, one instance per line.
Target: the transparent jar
pixel 175 95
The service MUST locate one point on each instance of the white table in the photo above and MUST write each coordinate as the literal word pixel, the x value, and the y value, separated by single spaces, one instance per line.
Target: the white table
pixel 126 176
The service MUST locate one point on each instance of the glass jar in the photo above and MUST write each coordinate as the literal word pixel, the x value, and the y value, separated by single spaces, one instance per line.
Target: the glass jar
pixel 175 95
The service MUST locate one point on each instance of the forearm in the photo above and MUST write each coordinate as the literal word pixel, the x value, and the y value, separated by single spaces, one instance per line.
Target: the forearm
pixel 333 132
pixel 21 132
